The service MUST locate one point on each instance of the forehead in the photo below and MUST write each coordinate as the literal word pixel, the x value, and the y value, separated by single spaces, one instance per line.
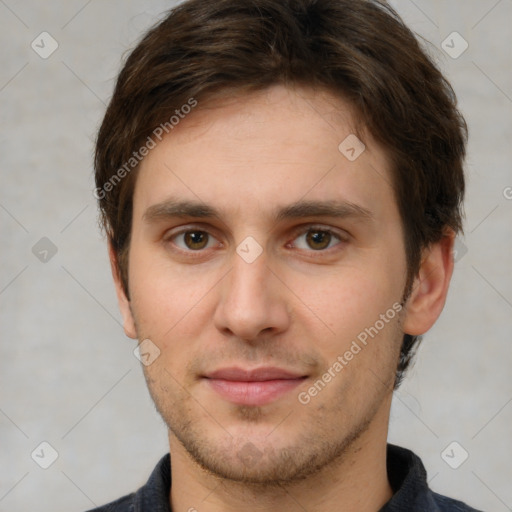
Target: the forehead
pixel 249 154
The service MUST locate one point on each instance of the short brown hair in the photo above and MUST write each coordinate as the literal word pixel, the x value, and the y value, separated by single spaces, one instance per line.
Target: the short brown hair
pixel 359 50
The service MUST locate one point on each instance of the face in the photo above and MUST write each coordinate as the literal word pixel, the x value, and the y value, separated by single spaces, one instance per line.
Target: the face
pixel 267 268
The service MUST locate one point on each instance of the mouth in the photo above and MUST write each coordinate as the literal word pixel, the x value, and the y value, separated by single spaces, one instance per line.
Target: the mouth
pixel 255 387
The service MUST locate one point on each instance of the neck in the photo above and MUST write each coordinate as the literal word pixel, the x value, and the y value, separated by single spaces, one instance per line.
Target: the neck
pixel 357 481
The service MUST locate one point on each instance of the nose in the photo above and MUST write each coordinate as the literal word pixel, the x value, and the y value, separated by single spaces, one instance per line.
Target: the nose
pixel 253 301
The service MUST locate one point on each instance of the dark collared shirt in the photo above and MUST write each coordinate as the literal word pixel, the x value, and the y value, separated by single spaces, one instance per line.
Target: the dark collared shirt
pixel 406 474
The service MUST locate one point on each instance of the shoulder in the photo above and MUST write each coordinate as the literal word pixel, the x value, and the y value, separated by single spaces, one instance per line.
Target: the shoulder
pixel 446 504
pixel 152 496
pixel 124 504
pixel 408 479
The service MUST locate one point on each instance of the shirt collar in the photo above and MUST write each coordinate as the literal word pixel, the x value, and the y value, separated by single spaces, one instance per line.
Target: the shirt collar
pixel 406 473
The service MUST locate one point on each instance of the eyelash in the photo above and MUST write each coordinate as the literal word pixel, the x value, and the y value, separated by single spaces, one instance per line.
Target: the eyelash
pixel 312 228
pixel 299 232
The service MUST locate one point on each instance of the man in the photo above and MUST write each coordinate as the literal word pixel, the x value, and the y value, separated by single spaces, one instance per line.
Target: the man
pixel 280 182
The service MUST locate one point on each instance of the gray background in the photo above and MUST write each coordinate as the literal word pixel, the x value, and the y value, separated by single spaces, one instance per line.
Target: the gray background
pixel 68 374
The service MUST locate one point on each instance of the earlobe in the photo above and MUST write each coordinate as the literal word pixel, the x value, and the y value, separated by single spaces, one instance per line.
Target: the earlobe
pixel 430 287
pixel 124 303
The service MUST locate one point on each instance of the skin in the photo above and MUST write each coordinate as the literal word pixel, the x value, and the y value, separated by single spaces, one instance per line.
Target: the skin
pixel 299 305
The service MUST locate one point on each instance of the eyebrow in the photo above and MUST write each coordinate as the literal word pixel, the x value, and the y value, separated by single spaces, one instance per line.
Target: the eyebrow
pixel 171 208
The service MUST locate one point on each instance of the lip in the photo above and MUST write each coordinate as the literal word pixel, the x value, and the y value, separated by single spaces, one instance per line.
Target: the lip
pixel 255 387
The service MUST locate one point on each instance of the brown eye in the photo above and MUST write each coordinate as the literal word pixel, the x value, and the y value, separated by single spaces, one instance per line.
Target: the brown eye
pixel 195 240
pixel 318 240
pixel 191 240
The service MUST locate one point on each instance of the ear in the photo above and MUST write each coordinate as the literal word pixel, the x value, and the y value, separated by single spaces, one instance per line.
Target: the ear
pixel 124 303
pixel 430 286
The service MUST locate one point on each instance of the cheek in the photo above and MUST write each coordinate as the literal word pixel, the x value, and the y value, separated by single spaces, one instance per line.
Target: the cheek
pixel 349 300
pixel 169 303
pixel 361 308
pixel 169 318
